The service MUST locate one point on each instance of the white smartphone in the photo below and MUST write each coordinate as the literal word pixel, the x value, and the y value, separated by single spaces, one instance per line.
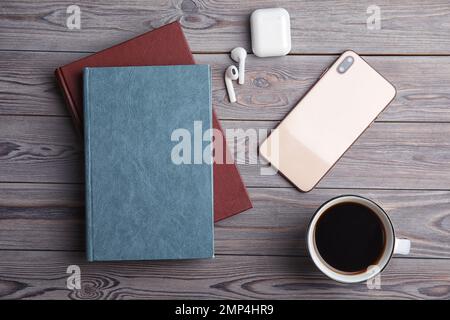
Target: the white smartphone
pixel 328 119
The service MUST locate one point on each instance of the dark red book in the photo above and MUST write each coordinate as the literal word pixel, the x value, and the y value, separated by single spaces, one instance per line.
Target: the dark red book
pixel 163 46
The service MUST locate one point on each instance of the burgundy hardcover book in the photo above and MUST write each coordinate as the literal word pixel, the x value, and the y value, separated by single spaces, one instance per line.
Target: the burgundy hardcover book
pixel 163 46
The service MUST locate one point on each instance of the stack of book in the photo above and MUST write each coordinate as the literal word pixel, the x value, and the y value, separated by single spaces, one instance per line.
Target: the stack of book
pixel 144 109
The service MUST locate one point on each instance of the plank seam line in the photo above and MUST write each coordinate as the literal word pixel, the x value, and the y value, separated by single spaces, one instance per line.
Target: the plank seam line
pixel 48 183
pixel 367 54
pixel 225 119
pixel 219 254
pixel 248 186
pixel 35 115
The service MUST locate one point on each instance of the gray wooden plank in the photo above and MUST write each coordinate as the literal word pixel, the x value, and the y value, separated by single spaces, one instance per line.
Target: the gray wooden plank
pixel 39 149
pixel 275 226
pixel 31 228
pixel 272 88
pixel 210 26
pixel 28 85
pixel 41 195
pixel 387 155
pixel 42 275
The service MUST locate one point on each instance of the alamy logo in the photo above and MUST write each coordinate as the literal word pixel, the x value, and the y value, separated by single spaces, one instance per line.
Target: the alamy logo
pixel 190 149
pixel 73 282
pixel 74 19
pixel 374 20
pixel 182 152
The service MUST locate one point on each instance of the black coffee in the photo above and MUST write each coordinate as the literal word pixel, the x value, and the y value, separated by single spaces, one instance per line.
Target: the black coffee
pixel 350 237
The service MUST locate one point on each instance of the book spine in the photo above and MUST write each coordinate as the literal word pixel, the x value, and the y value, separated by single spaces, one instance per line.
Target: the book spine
pixel 210 126
pixel 69 101
pixel 88 176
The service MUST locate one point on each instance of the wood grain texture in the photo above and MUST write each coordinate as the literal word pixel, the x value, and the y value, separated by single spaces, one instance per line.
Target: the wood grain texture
pixel 387 155
pixel 42 275
pixel 415 27
pixel 30 87
pixel 41 195
pixel 273 86
pixel 402 161
pixel 31 228
pixel 37 149
pixel 275 226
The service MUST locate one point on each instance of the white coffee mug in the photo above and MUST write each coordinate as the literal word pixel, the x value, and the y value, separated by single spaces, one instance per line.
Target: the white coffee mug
pixel 392 246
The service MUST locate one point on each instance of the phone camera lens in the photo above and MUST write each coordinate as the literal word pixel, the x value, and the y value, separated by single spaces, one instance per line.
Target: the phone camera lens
pixel 345 64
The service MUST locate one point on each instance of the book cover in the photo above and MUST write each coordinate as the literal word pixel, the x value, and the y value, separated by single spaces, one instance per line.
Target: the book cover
pixel 163 46
pixel 142 203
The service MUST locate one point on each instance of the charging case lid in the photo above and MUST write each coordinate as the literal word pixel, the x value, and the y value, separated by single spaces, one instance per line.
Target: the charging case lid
pixel 271 32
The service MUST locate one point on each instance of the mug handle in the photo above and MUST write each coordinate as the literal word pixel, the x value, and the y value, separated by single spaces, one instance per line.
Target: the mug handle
pixel 402 246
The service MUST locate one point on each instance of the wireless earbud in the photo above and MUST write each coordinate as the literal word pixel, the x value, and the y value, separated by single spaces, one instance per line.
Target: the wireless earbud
pixel 231 74
pixel 239 54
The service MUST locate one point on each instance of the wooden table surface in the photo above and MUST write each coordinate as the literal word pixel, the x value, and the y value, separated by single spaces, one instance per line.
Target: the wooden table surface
pixel 402 161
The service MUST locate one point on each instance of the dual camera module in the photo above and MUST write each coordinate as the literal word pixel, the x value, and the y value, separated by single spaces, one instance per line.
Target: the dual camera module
pixel 345 64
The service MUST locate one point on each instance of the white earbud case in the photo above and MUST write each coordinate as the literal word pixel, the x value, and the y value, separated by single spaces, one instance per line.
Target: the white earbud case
pixel 271 32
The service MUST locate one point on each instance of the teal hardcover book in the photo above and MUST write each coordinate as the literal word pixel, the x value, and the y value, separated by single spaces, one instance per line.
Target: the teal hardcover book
pixel 149 195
